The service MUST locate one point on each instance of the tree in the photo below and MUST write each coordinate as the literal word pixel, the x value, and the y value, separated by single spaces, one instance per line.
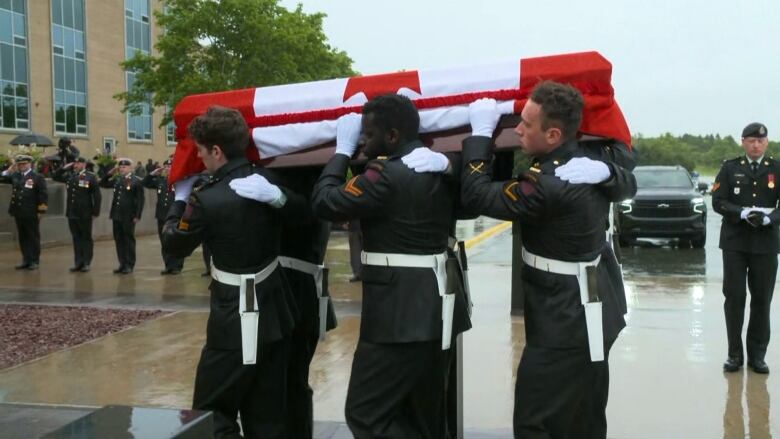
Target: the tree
pixel 216 45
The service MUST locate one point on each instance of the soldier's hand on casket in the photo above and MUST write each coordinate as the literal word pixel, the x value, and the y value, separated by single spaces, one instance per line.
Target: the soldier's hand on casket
pixel 256 187
pixel 425 160
pixel 183 188
pixel 582 170
pixel 348 134
pixel 483 116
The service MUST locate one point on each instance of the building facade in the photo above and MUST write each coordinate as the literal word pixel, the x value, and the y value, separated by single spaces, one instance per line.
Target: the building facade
pixel 59 71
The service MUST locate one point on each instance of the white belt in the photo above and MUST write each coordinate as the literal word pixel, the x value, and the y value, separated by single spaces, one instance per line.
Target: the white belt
pixel 436 262
pixel 593 319
pixel 316 271
pixel 248 309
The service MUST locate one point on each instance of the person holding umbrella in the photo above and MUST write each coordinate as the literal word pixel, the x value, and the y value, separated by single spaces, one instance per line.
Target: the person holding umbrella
pixel 29 199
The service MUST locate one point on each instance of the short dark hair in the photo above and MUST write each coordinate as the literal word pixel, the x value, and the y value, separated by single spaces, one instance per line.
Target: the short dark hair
pixel 221 126
pixel 393 111
pixel 561 106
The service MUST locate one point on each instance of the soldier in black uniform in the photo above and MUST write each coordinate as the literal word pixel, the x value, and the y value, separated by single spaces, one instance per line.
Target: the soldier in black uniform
pixel 29 199
pixel 397 382
pixel 158 180
pixel 244 238
pixel 83 205
pixel 562 381
pixel 745 192
pixel 127 206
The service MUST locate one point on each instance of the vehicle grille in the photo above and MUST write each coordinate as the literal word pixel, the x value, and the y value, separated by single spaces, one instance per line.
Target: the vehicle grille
pixel 651 209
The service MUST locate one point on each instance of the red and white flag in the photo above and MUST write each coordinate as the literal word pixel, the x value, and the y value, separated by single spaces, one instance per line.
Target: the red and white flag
pixel 290 118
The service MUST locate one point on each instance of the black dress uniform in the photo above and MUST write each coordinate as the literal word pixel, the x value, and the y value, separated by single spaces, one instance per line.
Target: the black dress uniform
pixel 748 252
pixel 396 387
pixel 127 204
pixel 244 237
pixel 559 392
pixel 165 197
pixel 83 204
pixel 306 242
pixel 29 198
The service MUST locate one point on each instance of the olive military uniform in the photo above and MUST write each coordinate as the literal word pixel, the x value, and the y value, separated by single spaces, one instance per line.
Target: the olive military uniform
pixel 748 252
pixel 396 387
pixel 244 237
pixel 83 203
pixel 126 206
pixel 560 392
pixel 29 198
pixel 165 196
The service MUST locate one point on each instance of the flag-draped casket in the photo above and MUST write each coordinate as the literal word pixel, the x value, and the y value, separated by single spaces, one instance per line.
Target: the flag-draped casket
pixel 295 124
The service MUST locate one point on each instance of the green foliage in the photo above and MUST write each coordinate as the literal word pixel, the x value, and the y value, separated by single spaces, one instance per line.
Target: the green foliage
pixel 701 153
pixel 211 45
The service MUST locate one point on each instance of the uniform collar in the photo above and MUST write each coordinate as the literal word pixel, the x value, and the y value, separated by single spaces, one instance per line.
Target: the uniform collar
pixel 229 167
pixel 407 148
pixel 24 174
pixel 759 160
pixel 560 154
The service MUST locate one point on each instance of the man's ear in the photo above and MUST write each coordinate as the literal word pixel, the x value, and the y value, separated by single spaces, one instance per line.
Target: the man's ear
pixel 217 152
pixel 554 135
pixel 392 136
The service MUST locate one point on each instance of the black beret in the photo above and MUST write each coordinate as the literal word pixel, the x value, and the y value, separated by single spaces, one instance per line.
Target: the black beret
pixel 755 129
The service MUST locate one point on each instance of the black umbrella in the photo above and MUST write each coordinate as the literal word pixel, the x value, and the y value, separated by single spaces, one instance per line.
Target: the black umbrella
pixel 30 138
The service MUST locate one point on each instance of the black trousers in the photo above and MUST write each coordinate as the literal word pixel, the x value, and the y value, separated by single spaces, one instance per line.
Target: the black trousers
pixel 560 393
pixel 124 238
pixel 81 231
pixel 300 408
pixel 396 390
pixel 29 233
pixel 760 270
pixel 227 387
pixel 170 262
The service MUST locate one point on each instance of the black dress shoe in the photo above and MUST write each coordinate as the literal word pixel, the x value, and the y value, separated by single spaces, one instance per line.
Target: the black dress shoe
pixel 758 366
pixel 75 269
pixel 205 274
pixel 126 270
pixel 84 269
pixel 174 271
pixel 119 269
pixel 354 279
pixel 22 266
pixel 32 267
pixel 165 272
pixel 732 364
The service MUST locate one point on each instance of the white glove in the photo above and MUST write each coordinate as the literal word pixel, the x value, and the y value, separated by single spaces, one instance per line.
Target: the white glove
pixel 767 220
pixel 424 160
pixel 183 188
pixel 483 116
pixel 256 187
pixel 745 211
pixel 582 170
pixel 348 134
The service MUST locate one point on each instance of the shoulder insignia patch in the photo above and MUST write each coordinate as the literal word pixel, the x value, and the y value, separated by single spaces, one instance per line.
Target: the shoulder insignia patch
pixel 476 168
pixel 352 189
pixel 715 186
pixel 372 174
pixel 508 190
pixel 184 225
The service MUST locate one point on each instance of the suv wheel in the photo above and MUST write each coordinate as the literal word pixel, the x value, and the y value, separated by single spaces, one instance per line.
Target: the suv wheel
pixel 699 241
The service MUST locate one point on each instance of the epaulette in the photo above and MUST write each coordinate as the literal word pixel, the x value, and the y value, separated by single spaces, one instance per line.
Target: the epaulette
pixel 535 169
pixel 381 157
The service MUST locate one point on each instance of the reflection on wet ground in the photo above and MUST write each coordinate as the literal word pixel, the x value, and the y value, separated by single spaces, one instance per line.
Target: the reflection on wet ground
pixel 666 375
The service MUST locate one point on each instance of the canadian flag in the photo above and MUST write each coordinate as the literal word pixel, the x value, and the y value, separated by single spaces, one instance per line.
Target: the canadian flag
pixel 292 118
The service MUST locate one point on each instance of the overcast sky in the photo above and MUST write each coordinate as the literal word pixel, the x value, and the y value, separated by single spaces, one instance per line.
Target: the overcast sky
pixel 682 66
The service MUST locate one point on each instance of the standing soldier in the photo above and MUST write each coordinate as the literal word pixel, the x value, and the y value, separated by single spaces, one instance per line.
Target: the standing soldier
pixel 29 200
pixel 243 366
pixel 745 193
pixel 396 388
pixel 83 205
pixel 158 179
pixel 127 206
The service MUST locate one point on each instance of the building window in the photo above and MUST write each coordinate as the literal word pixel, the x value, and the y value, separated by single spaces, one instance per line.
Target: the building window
pixel 70 67
pixel 138 39
pixel 14 92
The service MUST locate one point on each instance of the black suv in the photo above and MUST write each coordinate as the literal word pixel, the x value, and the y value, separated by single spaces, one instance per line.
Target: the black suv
pixel 666 205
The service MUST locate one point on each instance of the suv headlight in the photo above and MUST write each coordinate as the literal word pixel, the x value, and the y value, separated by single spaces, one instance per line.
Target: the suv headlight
pixel 698 204
pixel 626 206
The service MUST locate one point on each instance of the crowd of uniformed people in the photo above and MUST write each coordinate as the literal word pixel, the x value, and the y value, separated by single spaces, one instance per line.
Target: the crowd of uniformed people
pixel 267 233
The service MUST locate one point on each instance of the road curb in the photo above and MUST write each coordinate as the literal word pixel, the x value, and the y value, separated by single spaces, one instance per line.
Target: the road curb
pixel 498 228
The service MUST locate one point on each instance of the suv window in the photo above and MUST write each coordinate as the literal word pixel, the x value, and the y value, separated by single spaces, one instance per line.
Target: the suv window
pixel 670 178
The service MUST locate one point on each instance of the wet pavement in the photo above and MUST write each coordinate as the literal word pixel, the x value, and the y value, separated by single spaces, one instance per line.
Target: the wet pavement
pixel 666 376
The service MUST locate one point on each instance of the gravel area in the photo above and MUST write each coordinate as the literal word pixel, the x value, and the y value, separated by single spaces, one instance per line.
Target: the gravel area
pixel 30 331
